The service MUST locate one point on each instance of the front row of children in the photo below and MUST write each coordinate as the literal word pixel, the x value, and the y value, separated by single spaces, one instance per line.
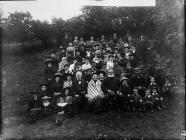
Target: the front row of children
pixel 65 106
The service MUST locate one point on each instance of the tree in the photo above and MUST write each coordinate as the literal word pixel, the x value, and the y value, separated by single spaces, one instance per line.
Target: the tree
pixel 58 28
pixel 41 31
pixel 19 25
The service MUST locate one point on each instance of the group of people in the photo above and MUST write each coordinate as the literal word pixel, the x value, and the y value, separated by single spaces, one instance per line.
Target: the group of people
pixel 99 76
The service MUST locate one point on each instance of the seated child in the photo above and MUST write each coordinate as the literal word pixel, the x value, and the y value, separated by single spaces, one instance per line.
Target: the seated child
pixel 47 107
pixel 34 107
pixel 136 100
pixel 63 107
pixel 148 100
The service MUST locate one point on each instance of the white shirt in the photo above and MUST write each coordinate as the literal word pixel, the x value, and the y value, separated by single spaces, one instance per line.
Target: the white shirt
pixel 86 66
pixel 72 67
pixel 110 65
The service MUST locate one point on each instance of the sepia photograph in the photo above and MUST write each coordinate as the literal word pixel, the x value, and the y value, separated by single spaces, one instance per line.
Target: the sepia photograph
pixel 92 69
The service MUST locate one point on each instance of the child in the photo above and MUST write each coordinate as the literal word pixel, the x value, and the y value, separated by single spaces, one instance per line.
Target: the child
pixel 125 92
pixel 167 89
pixel 148 100
pixel 47 108
pixel 34 107
pixel 158 100
pixel 153 84
pixel 61 107
pixel 136 100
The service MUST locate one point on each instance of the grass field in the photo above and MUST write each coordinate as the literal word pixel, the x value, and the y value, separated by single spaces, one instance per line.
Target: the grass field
pixel 24 73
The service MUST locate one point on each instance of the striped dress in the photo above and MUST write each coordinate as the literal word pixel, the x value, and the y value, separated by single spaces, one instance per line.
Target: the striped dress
pixel 94 90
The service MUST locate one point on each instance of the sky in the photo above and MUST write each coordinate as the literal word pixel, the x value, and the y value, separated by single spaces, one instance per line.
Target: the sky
pixel 46 9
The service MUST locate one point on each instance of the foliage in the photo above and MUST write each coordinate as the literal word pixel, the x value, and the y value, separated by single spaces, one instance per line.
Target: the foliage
pixel 41 31
pixel 18 26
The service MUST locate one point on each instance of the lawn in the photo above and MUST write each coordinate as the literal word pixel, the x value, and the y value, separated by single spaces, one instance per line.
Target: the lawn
pixel 24 73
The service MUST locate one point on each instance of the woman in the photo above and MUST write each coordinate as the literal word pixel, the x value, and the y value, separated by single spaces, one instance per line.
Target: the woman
pixel 62 63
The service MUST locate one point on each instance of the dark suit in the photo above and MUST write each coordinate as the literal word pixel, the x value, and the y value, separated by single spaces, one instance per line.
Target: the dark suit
pixel 79 89
pixel 34 110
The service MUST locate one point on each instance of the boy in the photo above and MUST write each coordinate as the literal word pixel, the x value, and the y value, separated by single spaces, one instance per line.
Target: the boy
pixel 136 100
pixel 47 108
pixel 158 100
pixel 63 109
pixel 167 90
pixel 125 92
pixel 34 107
pixel 148 100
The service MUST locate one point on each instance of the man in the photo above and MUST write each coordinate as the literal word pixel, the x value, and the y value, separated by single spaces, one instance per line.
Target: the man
pixel 101 76
pixel 76 42
pixel 79 89
pixel 50 70
pixel 88 75
pixel 54 59
pixel 138 79
pixel 82 42
pixel 92 42
pixel 103 41
pixel 44 90
pixel 143 49
pixel 95 94
pixel 65 71
pixel 115 39
pixel 110 88
pixel 71 48
pixel 62 53
pixel 66 41
pixel 34 107
pixel 56 86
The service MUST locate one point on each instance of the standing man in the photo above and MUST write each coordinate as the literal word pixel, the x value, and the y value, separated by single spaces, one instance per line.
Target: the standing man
pixel 115 39
pixel 65 41
pixel 143 49
pixel 76 42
